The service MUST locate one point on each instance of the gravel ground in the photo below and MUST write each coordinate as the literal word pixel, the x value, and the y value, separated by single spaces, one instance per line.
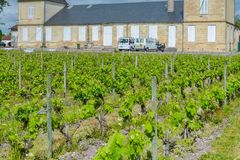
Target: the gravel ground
pixel 89 152
pixel 203 145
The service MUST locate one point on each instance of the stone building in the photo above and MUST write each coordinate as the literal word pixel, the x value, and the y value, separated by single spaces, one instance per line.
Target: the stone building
pixel 187 25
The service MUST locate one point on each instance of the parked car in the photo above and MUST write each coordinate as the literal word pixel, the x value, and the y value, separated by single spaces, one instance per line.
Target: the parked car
pixel 126 44
pixel 2 44
pixel 145 44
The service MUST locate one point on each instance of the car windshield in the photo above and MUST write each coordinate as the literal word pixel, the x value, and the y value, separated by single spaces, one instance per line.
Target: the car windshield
pixel 123 41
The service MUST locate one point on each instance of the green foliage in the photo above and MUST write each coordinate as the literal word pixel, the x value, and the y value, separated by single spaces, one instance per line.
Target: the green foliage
pixel 116 149
pixel 1 35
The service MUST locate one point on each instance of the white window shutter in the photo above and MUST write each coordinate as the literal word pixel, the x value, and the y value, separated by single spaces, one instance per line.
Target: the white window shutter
pixel 25 34
pixel 203 6
pixel 191 33
pixel 212 33
pixel 95 30
pixel 67 33
pixel 82 33
pixel 153 31
pixel 48 34
pixel 120 32
pixel 38 33
pixel 30 12
pixel 135 31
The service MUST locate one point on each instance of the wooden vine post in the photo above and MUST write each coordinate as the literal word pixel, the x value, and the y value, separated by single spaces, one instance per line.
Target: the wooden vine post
pixel 225 83
pixel 136 62
pixel 72 63
pixel 102 62
pixel 154 107
pixel 209 68
pixel 113 78
pixel 65 81
pixel 41 60
pixel 19 75
pixel 49 117
pixel 166 77
pixel 172 65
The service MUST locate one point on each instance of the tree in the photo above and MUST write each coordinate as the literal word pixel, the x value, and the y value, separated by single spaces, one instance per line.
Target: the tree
pixel 237 21
pixel 3 3
pixel 1 35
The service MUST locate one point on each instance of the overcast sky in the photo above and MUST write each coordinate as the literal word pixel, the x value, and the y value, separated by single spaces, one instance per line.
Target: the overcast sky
pixel 9 16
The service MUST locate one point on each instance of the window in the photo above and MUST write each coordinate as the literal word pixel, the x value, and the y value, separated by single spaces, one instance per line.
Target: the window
pixel 82 33
pixel 153 31
pixel 38 34
pixel 67 33
pixel 30 12
pixel 191 33
pixel 135 31
pixel 25 34
pixel 212 33
pixel 95 30
pixel 48 34
pixel 119 32
pixel 203 6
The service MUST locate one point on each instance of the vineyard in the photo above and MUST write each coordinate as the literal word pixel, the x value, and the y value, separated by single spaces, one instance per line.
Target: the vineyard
pixel 139 106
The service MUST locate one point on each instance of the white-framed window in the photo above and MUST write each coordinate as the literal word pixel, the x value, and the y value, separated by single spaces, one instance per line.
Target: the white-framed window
pixel 153 31
pixel 211 33
pixel 120 30
pixel 30 12
pixel 24 34
pixel 95 32
pixel 203 6
pixel 82 33
pixel 67 34
pixel 191 33
pixel 38 33
pixel 48 33
pixel 135 31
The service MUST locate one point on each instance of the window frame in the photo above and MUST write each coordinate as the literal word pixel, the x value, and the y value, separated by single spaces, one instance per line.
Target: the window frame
pixel 204 6
pixel 30 12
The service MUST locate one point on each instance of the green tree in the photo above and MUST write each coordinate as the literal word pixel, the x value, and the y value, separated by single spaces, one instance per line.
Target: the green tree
pixel 1 35
pixel 3 3
pixel 237 21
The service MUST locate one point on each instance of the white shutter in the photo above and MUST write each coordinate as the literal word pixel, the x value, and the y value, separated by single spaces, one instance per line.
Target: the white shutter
pixel 203 6
pixel 135 31
pixel 119 32
pixel 25 34
pixel 48 34
pixel 191 33
pixel 82 33
pixel 67 33
pixel 107 36
pixel 39 34
pixel 172 36
pixel 95 30
pixel 212 33
pixel 30 12
pixel 153 31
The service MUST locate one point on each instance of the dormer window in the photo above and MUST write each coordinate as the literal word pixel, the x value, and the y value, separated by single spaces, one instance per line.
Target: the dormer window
pixel 30 12
pixel 203 6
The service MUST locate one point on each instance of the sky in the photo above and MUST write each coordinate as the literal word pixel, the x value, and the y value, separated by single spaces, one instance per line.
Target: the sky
pixel 9 16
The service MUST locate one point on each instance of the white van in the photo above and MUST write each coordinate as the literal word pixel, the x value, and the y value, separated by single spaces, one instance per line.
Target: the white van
pixel 125 44
pixel 146 44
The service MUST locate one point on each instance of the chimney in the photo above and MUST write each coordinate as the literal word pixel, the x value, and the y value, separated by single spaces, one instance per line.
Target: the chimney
pixel 170 5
